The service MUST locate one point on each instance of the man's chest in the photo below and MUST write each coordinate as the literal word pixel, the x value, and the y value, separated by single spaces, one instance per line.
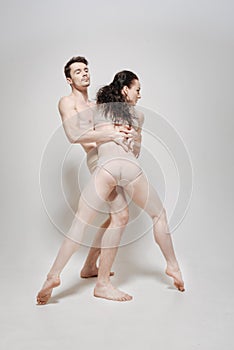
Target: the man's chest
pixel 85 117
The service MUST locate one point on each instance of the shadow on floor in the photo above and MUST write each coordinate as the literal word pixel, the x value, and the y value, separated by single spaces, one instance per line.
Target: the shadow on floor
pixel 123 274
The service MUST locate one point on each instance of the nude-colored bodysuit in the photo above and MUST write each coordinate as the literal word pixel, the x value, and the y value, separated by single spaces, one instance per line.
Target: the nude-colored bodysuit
pixel 121 164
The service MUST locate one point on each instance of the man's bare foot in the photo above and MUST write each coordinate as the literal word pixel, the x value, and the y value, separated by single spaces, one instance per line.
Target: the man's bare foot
pixel 107 291
pixel 88 272
pixel 45 293
pixel 176 274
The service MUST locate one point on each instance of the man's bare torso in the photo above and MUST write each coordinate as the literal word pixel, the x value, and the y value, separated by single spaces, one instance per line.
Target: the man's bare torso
pixel 80 115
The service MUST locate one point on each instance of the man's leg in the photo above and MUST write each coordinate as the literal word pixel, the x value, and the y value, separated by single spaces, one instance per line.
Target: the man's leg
pixel 90 268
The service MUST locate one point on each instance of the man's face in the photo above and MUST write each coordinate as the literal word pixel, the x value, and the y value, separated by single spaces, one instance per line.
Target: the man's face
pixel 80 77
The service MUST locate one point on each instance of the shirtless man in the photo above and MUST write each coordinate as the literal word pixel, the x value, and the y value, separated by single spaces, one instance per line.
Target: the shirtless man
pixel 79 129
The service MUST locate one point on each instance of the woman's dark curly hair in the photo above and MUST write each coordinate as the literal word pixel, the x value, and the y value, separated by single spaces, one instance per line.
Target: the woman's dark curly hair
pixel 112 102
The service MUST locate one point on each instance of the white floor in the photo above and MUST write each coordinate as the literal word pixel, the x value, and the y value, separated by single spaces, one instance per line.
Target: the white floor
pixel 159 317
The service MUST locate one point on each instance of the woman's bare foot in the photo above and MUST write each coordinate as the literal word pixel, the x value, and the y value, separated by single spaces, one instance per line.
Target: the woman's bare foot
pixel 107 291
pixel 176 274
pixel 45 293
pixel 88 272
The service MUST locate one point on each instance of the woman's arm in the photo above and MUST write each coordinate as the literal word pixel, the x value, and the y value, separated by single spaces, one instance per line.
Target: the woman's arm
pixel 138 138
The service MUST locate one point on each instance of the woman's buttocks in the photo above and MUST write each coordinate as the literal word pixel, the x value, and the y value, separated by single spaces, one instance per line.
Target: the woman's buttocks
pixel 122 165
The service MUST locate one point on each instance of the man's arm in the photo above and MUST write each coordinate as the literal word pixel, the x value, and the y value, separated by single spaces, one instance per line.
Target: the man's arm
pixel 76 134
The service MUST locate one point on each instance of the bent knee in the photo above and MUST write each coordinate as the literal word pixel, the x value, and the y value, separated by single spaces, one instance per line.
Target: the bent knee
pixel 161 217
pixel 121 218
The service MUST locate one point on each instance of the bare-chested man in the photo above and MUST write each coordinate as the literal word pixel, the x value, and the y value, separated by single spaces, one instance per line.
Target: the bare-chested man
pixel 76 113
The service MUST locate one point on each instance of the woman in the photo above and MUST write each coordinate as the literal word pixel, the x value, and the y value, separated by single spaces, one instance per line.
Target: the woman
pixel 116 167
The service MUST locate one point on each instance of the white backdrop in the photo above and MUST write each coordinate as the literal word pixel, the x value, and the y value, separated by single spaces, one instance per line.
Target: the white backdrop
pixel 183 53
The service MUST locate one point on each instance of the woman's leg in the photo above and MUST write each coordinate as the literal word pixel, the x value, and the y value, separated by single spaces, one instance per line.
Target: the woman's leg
pixel 110 243
pixel 97 191
pixel 119 218
pixel 146 197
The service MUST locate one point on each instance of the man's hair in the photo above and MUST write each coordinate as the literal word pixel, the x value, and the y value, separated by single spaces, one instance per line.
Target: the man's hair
pixel 67 68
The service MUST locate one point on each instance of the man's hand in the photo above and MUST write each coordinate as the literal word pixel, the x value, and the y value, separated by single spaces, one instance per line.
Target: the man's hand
pixel 125 137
